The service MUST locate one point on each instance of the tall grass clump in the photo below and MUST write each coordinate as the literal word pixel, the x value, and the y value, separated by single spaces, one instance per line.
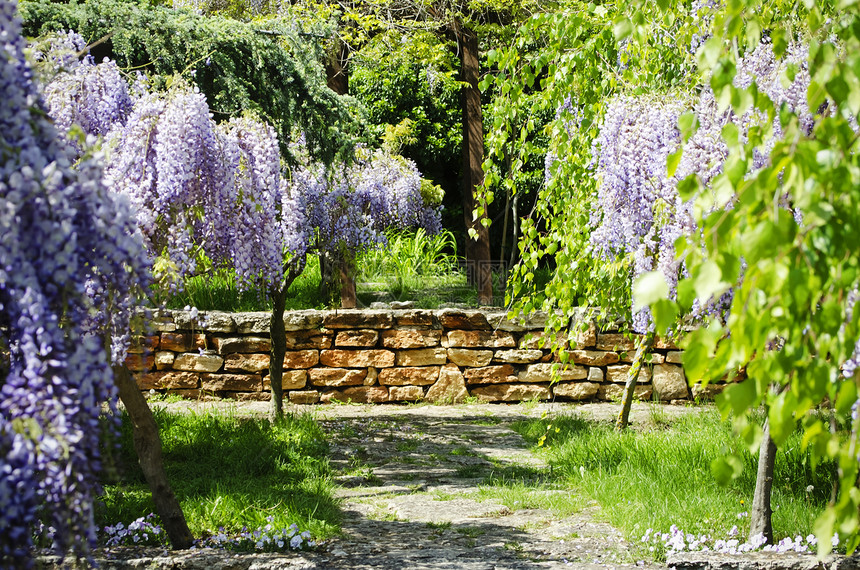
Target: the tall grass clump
pixel 662 477
pixel 408 257
pixel 230 473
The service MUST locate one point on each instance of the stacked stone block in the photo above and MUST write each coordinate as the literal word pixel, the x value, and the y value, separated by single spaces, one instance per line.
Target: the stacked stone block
pixel 377 356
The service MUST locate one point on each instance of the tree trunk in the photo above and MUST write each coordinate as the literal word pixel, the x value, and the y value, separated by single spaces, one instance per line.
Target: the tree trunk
pixel 346 269
pixel 278 335
pixel 761 514
pixel 645 344
pixel 148 447
pixel 477 250
pixel 337 75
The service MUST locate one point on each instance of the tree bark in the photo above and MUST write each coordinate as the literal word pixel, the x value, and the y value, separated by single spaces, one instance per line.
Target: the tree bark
pixel 278 335
pixel 148 447
pixel 645 344
pixel 761 514
pixel 346 269
pixel 337 75
pixel 477 250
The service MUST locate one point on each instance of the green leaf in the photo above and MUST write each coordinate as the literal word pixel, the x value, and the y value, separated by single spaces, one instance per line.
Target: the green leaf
pixel 673 161
pixel 622 29
pixel 648 289
pixel 708 281
pixel 726 469
pixel 688 187
pixel 823 529
pixel 838 89
pixel 740 396
pixel 710 52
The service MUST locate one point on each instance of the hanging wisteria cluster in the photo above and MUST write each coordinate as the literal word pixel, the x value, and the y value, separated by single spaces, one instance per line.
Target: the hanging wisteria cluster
pixel 65 241
pixel 638 211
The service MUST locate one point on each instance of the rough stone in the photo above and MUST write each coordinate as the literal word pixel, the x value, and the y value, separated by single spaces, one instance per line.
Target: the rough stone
pixel 675 357
pixel 543 372
pixel 182 342
pixel 357 358
pixel 518 356
pixel 358 338
pixel 304 340
pixel 238 362
pixel 212 321
pixel 290 380
pixel 164 360
pixel 302 320
pixel 500 321
pixel 464 320
pixel 512 392
pixel 706 392
pixel 415 319
pixel 256 322
pixel 670 383
pixel 362 394
pixel 614 392
pixel 576 390
pixel 422 357
pixel 372 376
pixel 480 339
pixel 615 342
pixel 471 358
pixel 242 344
pixel 247 396
pixel 304 397
pixel 403 376
pixel 144 344
pixel 195 362
pixel 405 393
pixel 403 338
pixel 585 335
pixel 618 374
pixel 490 374
pixel 593 357
pixel 450 388
pixel 194 394
pixel 167 380
pixel 162 323
pixel 336 377
pixel 595 375
pixel 301 358
pixel 358 319
pixel 231 382
pixel 759 561
pixel 665 343
pixel 140 362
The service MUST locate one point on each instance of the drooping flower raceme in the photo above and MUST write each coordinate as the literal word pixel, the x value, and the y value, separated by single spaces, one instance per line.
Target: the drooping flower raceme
pixel 63 238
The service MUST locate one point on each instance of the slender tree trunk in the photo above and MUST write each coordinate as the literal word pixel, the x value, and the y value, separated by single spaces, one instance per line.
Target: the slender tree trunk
pixel 346 269
pixel 278 335
pixel 337 75
pixel 645 343
pixel 761 514
pixel 148 447
pixel 477 250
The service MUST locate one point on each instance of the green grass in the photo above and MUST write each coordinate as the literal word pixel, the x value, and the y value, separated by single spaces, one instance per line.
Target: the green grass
pixel 658 478
pixel 231 472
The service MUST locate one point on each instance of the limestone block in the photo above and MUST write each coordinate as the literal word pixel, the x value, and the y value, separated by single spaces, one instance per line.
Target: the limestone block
pixel 450 388
pixel 616 342
pixel 231 382
pixel 194 394
pixel 534 340
pixel 614 392
pixel 304 397
pixel 412 375
pixel 405 393
pixel 336 377
pixel 211 321
pixel 512 392
pixel 164 360
pixel 500 321
pixel 140 362
pixel 196 362
pixel 361 394
pixel 372 376
pixel 593 357
pixel 670 383
pixel 167 380
pixel 576 390
pixel 422 357
pixel 543 372
pixel 182 342
pixel 675 357
pixel 257 322
pixel 480 339
pixel 357 358
pixel 595 375
pixel 518 356
pixel 357 338
pixel 472 358
pixel 301 359
pixel 290 380
pixel 242 344
pixel 302 320
pixel 247 396
pixel 414 318
pixel 490 374
pixel 707 392
pixel 405 338
pixel 238 362
pixel 665 343
pixel 358 319
pixel 585 335
pixel 163 323
pixel 464 320
pixel 303 340
pixel 144 344
pixel 618 374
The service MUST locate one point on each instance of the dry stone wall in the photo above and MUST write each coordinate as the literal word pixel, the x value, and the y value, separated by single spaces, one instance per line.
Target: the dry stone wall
pixel 380 356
